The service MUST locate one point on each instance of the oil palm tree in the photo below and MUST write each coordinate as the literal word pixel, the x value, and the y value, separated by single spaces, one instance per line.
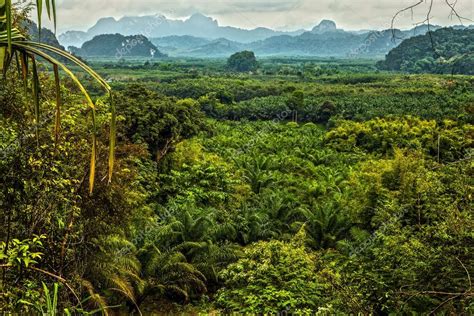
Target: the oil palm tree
pixel 212 257
pixel 116 267
pixel 252 225
pixel 326 225
pixel 257 171
pixel 281 209
pixel 17 51
pixel 168 272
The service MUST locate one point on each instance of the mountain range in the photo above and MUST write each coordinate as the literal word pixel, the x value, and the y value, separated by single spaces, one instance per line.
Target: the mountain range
pixel 201 36
pixel 198 25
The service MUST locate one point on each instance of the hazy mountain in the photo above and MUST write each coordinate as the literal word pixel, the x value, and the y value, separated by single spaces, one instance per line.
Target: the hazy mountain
pixel 74 38
pixel 324 27
pixel 320 42
pixel 154 26
pixel 175 45
pixel 218 48
pixel 118 46
pixel 325 40
pixel 201 36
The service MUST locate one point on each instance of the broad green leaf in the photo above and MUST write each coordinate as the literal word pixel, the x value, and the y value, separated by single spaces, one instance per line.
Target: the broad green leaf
pixel 39 9
pixel 55 298
pixel 27 261
pixel 47 296
pixel 24 70
pixel 3 51
pixel 93 156
pixel 36 95
pixel 9 26
pixel 48 9
pixel 113 135
pixel 57 121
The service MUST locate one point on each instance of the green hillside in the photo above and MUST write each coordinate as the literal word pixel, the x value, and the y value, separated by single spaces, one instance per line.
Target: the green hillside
pixel 444 51
pixel 119 46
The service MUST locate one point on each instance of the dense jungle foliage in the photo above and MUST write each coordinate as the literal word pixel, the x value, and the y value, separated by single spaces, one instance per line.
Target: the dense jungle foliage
pixel 243 61
pixel 444 51
pixel 307 187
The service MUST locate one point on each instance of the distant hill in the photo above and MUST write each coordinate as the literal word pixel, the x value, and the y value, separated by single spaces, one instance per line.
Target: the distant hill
pixel 118 46
pixel 47 36
pixel 325 40
pixel 154 26
pixel 324 27
pixel 333 43
pixel 175 45
pixel 74 38
pixel 447 50
pixel 218 48
pixel 203 37
pixel 183 42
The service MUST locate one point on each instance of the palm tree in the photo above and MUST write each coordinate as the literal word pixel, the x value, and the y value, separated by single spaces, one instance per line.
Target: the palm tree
pixel 168 272
pixel 280 209
pixel 212 257
pixel 326 226
pixel 252 225
pixel 16 49
pixel 257 171
pixel 115 267
pixel 183 230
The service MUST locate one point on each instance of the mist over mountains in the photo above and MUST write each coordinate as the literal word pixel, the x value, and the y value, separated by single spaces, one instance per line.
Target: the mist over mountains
pixel 153 26
pixel 202 36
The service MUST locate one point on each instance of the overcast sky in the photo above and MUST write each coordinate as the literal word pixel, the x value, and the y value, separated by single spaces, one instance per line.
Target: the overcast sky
pixel 287 14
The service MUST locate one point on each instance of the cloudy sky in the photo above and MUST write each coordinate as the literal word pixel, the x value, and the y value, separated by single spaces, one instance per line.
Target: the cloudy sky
pixel 279 14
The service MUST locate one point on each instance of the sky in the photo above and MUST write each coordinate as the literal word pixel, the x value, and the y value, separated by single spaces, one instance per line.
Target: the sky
pixel 276 14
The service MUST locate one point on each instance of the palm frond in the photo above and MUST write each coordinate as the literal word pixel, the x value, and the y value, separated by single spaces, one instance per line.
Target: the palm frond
pixel 13 42
pixel 96 298
pixel 57 120
pixel 52 60
pixel 50 10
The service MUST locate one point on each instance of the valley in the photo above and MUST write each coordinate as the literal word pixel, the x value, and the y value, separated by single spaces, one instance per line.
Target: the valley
pixel 179 167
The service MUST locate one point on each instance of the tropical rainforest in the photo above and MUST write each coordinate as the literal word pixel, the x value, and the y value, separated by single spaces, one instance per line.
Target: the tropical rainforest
pixel 446 50
pixel 307 186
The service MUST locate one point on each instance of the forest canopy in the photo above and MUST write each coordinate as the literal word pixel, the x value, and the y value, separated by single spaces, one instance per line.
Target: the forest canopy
pixel 444 51
pixel 243 62
pixel 306 186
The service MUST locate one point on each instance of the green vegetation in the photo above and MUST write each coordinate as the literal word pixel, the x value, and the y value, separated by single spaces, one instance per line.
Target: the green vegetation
pixel 15 47
pixel 243 62
pixel 272 276
pixel 444 51
pixel 305 187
